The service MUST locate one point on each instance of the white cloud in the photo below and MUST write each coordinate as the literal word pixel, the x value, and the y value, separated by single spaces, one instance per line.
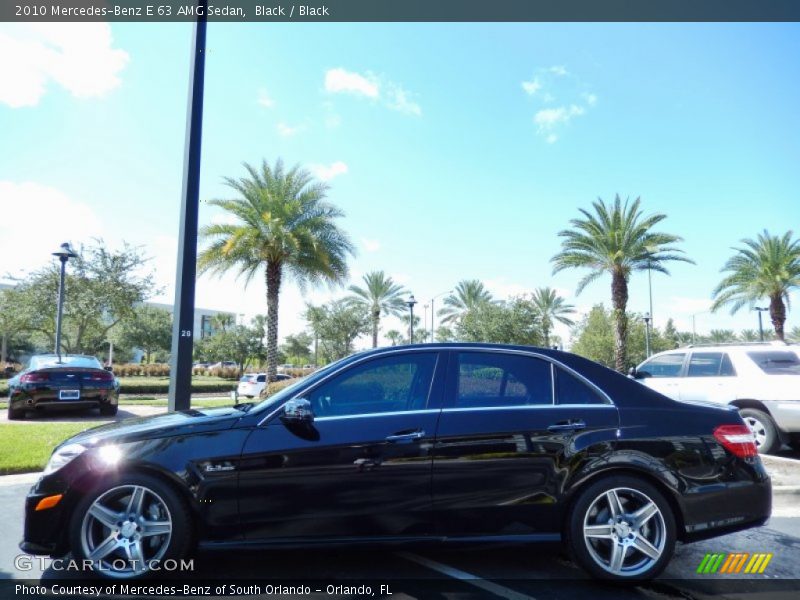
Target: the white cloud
pixel 58 218
pixel 78 56
pixel 502 289
pixel 551 138
pixel 370 245
pixel 286 130
pixel 531 87
pixel 591 99
pixel 264 99
pixel 398 99
pixel 341 81
pixel 548 118
pixel 328 172
pixel 392 95
pixel 559 70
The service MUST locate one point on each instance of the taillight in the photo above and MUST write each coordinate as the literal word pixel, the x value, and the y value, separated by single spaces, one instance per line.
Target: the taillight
pixel 34 377
pixel 738 439
pixel 102 376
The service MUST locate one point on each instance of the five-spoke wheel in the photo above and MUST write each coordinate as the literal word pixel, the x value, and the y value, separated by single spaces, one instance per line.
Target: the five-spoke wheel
pixel 622 528
pixel 126 528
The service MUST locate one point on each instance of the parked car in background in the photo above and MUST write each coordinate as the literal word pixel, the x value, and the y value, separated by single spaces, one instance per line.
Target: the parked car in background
pixel 284 368
pixel 435 443
pixel 225 364
pixel 252 384
pixel 762 380
pixel 68 381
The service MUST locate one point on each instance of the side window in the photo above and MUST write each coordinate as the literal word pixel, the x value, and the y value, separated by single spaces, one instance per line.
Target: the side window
pixel 704 364
pixel 667 365
pixel 499 379
pixel 261 379
pixel 389 384
pixel 571 390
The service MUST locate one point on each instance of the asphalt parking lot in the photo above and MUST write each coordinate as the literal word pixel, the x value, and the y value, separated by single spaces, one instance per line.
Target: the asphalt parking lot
pixel 516 572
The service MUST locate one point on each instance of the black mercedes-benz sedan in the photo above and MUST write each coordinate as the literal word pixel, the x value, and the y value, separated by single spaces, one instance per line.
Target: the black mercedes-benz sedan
pixel 62 381
pixel 438 443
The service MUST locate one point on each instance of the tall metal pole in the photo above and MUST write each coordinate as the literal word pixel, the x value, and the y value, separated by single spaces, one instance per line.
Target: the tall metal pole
pixel 433 316
pixel 180 378
pixel 60 310
pixel 760 326
pixel 650 286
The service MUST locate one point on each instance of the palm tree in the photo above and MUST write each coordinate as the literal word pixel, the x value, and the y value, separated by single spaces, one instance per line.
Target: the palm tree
pixel 721 336
pixel 468 294
pixel 394 336
pixel 552 307
pixel 284 227
pixel 616 239
pixel 765 268
pixel 794 335
pixel 749 335
pixel 380 295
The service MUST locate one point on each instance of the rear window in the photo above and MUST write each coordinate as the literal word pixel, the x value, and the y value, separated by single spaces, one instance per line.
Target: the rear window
pixel 246 379
pixel 777 362
pixel 51 362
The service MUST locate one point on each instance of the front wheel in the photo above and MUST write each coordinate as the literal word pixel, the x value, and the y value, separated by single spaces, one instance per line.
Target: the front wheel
pixel 621 528
pixel 128 527
pixel 108 410
pixel 763 428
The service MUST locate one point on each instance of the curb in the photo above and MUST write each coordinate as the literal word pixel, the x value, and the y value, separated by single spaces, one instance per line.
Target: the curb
pixel 19 478
pixel 786 490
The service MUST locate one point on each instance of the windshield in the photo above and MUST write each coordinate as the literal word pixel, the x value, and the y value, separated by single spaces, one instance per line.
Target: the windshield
pixel 290 390
pixel 49 362
pixel 777 362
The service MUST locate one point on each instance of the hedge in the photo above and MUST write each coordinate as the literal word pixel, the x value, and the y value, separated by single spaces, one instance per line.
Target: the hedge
pixel 162 387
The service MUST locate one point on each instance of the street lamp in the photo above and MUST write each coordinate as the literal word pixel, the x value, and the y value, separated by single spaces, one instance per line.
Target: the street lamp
pixel 760 310
pixel 433 312
pixel 410 303
pixel 425 318
pixel 64 253
pixel 647 319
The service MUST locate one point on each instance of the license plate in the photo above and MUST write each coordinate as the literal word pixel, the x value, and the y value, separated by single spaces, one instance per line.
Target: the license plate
pixel 69 394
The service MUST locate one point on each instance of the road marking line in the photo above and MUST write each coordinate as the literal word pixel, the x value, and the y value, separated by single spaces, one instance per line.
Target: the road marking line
pixel 494 588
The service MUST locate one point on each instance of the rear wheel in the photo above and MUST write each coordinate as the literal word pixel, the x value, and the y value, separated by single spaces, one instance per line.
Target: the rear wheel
pixel 621 528
pixel 15 414
pixel 763 428
pixel 127 527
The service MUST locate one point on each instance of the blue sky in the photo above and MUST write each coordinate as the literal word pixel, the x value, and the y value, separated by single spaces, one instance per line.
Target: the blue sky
pixel 456 150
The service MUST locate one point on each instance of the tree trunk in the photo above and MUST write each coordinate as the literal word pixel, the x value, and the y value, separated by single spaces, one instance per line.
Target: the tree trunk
pixel 376 319
pixel 619 300
pixel 777 312
pixel 273 279
pixel 4 350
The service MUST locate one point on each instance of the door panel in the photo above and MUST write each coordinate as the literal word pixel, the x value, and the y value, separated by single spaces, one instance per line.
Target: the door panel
pixel 709 377
pixel 500 468
pixel 362 468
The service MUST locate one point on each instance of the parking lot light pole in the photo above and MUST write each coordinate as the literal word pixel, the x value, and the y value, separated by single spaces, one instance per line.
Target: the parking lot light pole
pixel 646 319
pixel 410 303
pixel 180 375
pixel 760 309
pixel 433 311
pixel 64 253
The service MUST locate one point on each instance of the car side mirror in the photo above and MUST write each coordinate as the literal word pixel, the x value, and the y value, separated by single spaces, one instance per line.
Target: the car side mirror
pixel 297 411
pixel 632 372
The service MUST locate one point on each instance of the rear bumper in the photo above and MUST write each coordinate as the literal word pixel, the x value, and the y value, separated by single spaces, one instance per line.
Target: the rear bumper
pixel 719 509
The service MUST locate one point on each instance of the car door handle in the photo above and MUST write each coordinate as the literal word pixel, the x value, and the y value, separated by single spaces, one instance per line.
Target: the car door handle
pixel 571 425
pixel 406 437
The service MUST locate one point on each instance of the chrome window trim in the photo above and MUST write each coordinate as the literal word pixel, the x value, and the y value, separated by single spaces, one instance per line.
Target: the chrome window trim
pixel 426 411
pixel 440 350
pixel 527 407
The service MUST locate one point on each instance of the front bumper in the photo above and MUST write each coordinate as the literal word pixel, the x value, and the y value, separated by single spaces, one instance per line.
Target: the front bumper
pixel 785 413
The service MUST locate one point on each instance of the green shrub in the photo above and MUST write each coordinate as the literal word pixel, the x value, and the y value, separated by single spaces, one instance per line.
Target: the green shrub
pixel 162 387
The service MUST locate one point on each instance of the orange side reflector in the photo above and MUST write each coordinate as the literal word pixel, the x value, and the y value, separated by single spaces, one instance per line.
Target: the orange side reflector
pixel 49 502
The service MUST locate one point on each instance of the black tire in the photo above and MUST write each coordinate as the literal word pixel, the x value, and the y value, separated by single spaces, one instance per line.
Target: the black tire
pixel 176 545
pixel 658 530
pixel 15 414
pixel 108 410
pixel 764 428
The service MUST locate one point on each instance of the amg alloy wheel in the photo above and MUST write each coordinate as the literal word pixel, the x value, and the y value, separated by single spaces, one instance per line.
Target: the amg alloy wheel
pixel 123 529
pixel 622 528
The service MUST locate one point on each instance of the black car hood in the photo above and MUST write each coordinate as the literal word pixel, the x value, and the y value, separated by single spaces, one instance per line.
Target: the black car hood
pixel 183 422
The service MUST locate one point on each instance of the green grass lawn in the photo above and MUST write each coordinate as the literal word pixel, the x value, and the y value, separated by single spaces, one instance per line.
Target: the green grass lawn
pixel 26 447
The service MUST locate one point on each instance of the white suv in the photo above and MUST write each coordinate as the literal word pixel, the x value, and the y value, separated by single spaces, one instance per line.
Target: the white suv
pixel 762 380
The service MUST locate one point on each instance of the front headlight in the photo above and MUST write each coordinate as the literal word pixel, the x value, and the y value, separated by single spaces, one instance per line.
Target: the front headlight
pixel 62 456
